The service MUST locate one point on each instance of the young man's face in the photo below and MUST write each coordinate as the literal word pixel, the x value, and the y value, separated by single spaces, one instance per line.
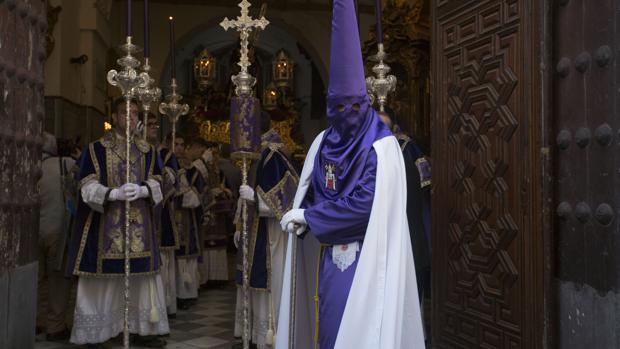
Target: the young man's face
pixel 120 118
pixel 195 151
pixel 179 147
pixel 152 129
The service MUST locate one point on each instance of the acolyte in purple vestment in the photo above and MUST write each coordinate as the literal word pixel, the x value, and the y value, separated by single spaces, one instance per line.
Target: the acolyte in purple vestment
pixel 338 213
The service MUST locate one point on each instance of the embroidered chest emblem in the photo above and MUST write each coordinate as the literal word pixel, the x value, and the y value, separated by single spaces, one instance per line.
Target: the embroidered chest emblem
pixel 330 176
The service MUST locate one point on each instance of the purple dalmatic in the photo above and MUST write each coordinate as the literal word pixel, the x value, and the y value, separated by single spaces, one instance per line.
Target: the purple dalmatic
pixel 339 202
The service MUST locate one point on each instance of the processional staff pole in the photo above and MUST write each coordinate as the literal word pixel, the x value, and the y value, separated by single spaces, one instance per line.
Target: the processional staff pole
pixel 172 107
pixel 383 84
pixel 150 93
pixel 245 133
pixel 127 79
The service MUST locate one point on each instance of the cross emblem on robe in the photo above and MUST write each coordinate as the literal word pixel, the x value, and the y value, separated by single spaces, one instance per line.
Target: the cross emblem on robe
pixel 244 24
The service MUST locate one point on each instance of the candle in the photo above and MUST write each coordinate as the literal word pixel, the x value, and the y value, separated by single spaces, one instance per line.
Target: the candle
pixel 173 65
pixel 128 17
pixel 147 27
pixel 378 14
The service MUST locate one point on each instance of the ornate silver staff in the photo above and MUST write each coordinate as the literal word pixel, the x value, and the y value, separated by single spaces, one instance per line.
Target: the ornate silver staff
pixel 244 134
pixel 172 107
pixel 379 87
pixel 148 94
pixel 127 80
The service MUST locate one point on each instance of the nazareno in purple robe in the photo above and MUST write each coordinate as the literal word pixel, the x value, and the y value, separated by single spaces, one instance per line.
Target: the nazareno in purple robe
pixel 339 202
pixel 338 222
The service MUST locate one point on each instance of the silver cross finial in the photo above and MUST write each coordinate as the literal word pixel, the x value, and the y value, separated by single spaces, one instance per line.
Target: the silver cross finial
pixel 244 24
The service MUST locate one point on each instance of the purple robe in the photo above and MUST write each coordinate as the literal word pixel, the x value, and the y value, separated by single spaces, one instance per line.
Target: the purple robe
pixel 337 222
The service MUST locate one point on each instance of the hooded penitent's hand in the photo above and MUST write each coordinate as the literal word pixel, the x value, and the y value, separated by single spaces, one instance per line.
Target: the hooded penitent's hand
pixel 294 221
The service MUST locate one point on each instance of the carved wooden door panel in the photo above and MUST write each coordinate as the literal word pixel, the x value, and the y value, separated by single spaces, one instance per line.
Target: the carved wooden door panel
pixel 487 201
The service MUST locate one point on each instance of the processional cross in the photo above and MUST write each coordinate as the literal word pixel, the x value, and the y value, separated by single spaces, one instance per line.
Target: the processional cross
pixel 244 82
pixel 244 24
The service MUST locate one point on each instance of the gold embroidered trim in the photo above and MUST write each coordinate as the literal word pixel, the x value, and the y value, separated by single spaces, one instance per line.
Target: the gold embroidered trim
pixel 202 168
pixel 271 197
pixel 80 253
pixel 95 161
pixel 115 275
pixel 85 180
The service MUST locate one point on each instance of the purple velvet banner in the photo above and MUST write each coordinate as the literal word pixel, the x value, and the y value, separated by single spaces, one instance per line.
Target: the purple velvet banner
pixel 245 126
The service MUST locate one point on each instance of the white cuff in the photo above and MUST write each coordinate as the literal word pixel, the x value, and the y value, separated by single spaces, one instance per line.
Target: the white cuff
pixel 155 189
pixel 94 195
pixel 263 208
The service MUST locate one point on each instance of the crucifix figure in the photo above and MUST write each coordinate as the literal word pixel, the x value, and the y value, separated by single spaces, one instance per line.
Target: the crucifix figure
pixel 244 24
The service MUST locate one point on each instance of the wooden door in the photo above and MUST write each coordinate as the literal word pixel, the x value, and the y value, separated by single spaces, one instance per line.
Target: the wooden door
pixel 488 156
pixel 586 122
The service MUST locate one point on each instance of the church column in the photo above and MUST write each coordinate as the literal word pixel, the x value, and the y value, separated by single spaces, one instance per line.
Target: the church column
pixel 22 37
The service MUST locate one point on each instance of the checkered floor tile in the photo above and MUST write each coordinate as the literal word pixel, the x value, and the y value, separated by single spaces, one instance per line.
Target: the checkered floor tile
pixel 207 325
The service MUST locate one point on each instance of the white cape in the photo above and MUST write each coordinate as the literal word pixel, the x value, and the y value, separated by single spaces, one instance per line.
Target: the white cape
pixel 382 309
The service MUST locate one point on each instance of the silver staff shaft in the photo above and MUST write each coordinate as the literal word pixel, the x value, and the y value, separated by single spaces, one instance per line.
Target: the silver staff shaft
pixel 145 124
pixel 246 271
pixel 291 333
pixel 127 226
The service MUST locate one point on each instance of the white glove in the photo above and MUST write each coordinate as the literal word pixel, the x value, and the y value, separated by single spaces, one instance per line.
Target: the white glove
pixel 169 176
pixel 137 192
pixel 117 194
pixel 246 193
pixel 122 193
pixel 207 156
pixel 295 216
pixel 297 229
pixel 237 238
pixel 190 200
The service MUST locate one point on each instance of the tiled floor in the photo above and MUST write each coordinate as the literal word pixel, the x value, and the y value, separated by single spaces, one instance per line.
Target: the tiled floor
pixel 207 325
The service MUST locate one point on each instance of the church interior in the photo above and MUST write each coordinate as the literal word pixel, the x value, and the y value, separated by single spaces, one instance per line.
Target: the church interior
pixel 513 102
pixel 290 59
pixel 80 42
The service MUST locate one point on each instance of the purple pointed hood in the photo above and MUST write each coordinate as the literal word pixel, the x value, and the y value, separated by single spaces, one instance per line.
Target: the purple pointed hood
pixel 346 74
pixel 354 124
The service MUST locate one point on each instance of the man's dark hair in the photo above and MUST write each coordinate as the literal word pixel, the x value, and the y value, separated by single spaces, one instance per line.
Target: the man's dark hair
pixel 265 122
pixel 120 101
pixel 391 114
pixel 177 135
pixel 225 150
pixel 196 140
pixel 152 116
